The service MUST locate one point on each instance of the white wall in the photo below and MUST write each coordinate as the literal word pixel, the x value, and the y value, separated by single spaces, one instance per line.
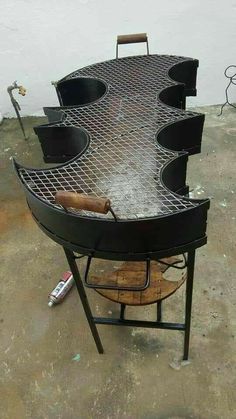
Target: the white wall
pixel 43 40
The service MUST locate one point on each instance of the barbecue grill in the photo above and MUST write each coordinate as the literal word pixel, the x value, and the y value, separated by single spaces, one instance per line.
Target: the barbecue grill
pixel 122 136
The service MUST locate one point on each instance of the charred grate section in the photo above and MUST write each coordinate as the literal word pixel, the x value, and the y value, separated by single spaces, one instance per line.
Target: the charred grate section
pixel 127 170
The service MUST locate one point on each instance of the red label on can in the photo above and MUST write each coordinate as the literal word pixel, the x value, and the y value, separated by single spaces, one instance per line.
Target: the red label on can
pixel 66 275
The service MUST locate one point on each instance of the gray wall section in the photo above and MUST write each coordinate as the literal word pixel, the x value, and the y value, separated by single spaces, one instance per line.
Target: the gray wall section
pixel 43 41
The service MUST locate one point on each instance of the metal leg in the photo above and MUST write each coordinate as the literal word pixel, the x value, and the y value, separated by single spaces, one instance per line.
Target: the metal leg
pixel 188 302
pixel 83 298
pixel 122 311
pixel 159 311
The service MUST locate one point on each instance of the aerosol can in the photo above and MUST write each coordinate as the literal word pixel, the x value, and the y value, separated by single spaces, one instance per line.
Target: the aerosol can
pixel 62 288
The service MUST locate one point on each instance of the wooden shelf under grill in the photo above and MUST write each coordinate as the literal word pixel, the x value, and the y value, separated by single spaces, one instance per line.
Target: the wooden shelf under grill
pixel 131 273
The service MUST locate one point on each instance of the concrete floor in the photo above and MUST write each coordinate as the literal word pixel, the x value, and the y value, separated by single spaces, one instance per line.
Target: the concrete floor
pixel 133 379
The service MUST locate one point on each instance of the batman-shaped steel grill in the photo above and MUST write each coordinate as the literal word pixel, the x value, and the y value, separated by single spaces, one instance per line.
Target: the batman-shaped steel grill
pixel 123 134
pixel 123 137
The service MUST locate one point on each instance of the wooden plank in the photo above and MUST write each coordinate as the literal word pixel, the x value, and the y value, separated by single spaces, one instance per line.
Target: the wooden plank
pixel 130 274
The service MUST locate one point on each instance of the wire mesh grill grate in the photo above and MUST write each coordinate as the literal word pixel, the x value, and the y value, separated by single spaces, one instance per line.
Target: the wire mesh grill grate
pixel 124 160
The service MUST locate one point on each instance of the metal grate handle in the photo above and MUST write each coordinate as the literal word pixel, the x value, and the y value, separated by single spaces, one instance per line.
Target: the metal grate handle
pixel 97 284
pixel 131 39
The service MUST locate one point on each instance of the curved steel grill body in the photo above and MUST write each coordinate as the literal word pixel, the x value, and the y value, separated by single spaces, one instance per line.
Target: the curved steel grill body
pixel 122 133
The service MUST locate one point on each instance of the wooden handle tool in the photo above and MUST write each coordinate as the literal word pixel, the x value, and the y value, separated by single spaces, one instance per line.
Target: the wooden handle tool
pixel 82 202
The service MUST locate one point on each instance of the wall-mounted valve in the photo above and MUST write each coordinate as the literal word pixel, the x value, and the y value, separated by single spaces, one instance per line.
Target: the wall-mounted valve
pixel 22 92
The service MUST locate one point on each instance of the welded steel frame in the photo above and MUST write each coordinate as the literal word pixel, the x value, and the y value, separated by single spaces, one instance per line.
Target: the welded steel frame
pixel 121 321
